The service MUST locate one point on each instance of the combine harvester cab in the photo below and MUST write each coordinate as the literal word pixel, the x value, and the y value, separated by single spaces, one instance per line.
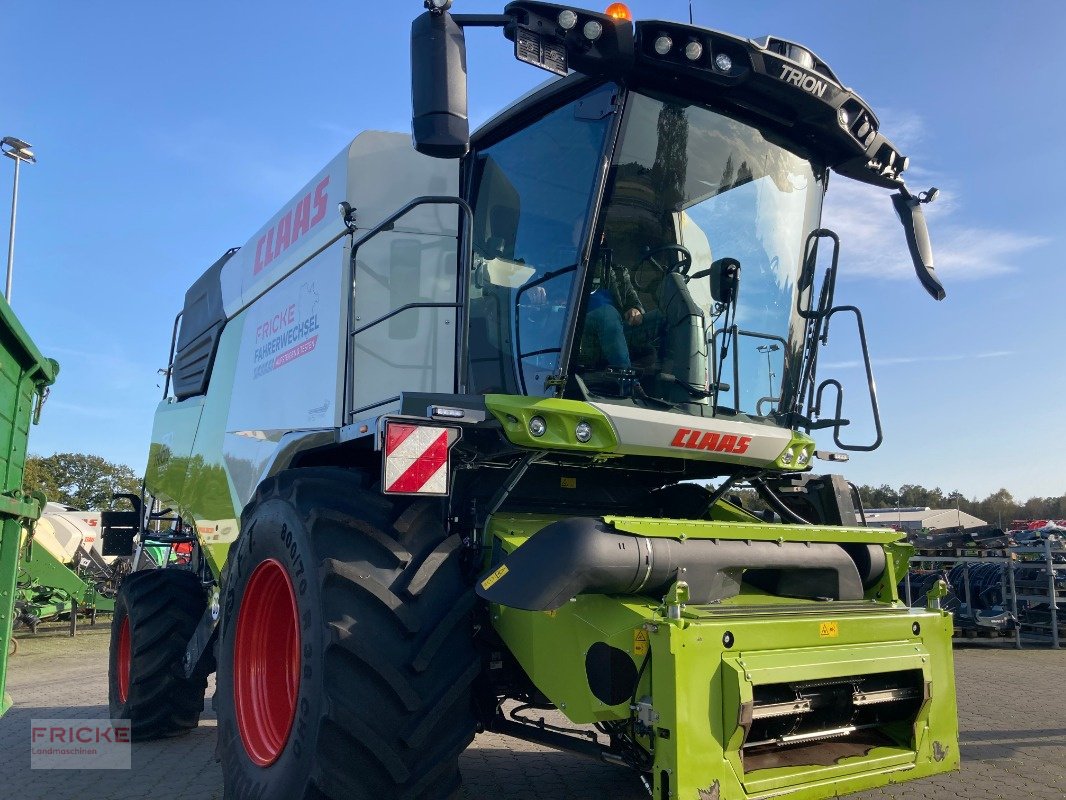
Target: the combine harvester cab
pixel 432 440
pixel 26 376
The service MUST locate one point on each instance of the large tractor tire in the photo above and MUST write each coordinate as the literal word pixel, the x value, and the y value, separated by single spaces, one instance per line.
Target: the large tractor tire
pixel 156 612
pixel 346 652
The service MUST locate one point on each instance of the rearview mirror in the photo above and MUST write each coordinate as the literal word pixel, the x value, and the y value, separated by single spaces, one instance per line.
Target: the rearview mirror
pixel 909 209
pixel 725 280
pixel 439 123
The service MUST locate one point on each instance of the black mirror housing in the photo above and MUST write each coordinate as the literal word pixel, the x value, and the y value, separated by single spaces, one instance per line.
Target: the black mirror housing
pixel 909 209
pixel 725 280
pixel 440 126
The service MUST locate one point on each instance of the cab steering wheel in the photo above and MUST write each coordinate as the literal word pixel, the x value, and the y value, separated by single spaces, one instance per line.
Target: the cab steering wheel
pixel 682 266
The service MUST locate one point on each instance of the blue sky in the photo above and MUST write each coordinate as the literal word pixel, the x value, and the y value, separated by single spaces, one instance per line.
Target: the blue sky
pixel 169 132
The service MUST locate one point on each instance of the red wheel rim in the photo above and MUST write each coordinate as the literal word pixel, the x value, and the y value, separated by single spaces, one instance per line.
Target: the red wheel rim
pixel 122 668
pixel 266 663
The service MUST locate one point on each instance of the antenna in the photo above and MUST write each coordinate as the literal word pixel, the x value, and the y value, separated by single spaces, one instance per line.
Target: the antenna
pixel 690 12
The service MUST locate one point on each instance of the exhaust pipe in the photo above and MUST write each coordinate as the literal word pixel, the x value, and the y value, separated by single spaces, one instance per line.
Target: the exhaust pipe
pixel 587 556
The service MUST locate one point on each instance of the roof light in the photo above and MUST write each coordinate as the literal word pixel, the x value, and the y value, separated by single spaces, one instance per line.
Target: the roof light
pixel 567 19
pixel 693 51
pixel 663 45
pixel 592 30
pixel 618 11
pixel 723 62
pixel 842 115
pixel 438 5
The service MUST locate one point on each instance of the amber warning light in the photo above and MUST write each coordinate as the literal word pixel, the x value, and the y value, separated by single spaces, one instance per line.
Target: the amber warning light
pixel 619 11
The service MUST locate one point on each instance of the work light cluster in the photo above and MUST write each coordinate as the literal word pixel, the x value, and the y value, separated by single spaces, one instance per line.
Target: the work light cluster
pixel 538 427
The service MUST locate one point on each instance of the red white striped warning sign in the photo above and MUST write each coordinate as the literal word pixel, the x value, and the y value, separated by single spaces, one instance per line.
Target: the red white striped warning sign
pixel 416 458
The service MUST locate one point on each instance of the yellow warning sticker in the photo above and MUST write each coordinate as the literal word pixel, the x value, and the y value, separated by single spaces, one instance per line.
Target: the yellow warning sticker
pixel 640 642
pixel 495 576
pixel 568 483
pixel 828 630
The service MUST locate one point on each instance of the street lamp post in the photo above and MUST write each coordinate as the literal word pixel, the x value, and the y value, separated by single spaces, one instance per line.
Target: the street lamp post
pixel 19 151
pixel 767 349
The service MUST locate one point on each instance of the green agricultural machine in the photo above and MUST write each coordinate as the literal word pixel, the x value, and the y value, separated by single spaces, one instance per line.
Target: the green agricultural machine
pixel 62 573
pixel 25 376
pixel 452 444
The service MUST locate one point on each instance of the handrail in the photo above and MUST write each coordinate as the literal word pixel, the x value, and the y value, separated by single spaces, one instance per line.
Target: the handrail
pixel 464 256
pixel 170 361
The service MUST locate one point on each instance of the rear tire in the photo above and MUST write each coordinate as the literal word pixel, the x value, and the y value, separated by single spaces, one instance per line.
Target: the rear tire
pixel 156 613
pixel 384 657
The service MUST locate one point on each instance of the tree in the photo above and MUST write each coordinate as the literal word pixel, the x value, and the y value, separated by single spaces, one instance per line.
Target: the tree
pixel 80 480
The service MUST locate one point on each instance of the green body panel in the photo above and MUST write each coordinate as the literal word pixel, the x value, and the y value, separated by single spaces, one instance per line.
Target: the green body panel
pixel 514 413
pixel 24 374
pixel 697 685
pixel 209 500
pixel 186 470
pixel 173 433
pixel 698 529
pixel 562 416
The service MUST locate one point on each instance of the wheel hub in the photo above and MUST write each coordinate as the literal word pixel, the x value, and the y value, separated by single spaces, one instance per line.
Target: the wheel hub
pixel 124 657
pixel 266 663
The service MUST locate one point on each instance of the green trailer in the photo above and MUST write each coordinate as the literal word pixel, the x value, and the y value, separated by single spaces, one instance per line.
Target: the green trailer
pixel 25 376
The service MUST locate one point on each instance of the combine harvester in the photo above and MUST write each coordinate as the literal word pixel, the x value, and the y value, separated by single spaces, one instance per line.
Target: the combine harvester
pixel 434 453
pixel 24 380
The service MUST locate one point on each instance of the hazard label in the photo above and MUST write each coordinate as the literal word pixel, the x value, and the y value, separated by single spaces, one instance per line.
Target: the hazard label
pixel 828 630
pixel 494 576
pixel 640 642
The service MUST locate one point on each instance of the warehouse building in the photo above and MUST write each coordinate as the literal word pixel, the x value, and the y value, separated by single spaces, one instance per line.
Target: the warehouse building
pixel 921 518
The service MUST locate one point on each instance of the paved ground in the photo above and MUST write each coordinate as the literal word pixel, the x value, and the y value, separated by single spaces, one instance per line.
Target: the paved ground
pixel 1012 709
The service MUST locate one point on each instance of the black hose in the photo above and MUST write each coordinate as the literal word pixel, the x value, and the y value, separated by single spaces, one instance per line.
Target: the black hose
pixel 775 502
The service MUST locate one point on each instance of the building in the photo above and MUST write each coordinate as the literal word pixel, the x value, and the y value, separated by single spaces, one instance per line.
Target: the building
pixel 921 518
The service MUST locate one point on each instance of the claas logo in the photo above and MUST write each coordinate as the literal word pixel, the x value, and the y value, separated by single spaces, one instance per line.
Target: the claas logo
pixel 708 440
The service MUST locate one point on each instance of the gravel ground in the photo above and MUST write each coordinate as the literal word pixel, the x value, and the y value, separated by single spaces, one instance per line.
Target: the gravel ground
pixel 1012 711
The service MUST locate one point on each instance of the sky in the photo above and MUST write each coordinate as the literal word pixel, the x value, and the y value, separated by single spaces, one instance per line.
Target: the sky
pixel 167 133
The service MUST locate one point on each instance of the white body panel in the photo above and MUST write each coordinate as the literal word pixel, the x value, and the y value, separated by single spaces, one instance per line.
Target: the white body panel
pixel 292 313
pixel 644 431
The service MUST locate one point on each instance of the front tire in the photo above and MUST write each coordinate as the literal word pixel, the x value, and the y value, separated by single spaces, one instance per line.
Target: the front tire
pixel 346 653
pixel 156 613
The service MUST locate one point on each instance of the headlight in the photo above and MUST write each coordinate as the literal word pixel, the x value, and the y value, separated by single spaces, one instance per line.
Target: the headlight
pixel 537 426
pixel 583 432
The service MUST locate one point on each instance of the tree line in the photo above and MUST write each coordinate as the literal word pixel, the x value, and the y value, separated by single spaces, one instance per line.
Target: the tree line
pixel 83 481
pixel 999 508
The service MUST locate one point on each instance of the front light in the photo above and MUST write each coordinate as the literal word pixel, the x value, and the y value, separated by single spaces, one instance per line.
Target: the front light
pixel 567 19
pixel 592 30
pixel 537 426
pixel 663 45
pixel 583 431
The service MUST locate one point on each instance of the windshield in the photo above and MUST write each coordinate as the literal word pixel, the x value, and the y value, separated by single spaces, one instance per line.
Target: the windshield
pixel 533 200
pixel 690 296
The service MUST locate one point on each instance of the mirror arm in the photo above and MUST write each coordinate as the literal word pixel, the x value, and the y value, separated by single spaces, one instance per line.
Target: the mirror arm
pixel 909 209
